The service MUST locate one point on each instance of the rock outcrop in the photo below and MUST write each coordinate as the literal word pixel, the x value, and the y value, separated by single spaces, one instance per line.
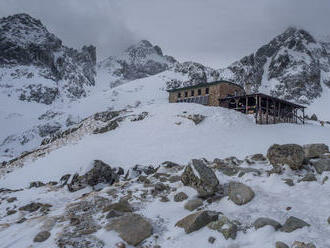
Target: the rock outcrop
pixel 291 154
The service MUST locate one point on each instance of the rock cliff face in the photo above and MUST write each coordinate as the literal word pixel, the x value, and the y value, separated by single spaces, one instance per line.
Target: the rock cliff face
pixel 36 66
pixel 292 66
pixel 138 61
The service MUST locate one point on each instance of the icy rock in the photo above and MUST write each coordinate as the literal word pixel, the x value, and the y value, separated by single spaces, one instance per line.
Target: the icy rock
pixel 41 236
pixel 196 221
pixel 315 150
pixel 290 154
pixel 280 244
pixel 321 165
pixel 199 176
pixel 292 224
pixel 224 226
pixel 179 197
pixel 132 228
pixel 240 193
pixel 261 222
pixel 298 244
pixel 100 173
pixel 193 204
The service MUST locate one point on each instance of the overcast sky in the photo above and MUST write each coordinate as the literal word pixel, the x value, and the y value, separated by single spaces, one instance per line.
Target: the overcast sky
pixel 213 32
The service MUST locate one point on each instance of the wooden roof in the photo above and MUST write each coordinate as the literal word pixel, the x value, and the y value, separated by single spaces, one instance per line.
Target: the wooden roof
pixel 204 85
pixel 266 96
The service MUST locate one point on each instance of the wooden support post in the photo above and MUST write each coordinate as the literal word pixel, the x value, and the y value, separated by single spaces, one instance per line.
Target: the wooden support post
pixel 279 112
pixel 303 110
pixel 267 110
pixel 246 104
pixel 256 109
pixel 260 110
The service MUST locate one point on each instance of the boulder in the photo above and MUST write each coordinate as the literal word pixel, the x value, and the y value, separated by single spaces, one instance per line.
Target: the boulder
pixel 224 226
pixel 196 221
pixel 41 236
pixel 314 117
pixel 132 228
pixel 199 176
pixel 240 193
pixel 321 165
pixel 258 157
pixel 315 150
pixel 291 154
pixel 292 224
pixel 298 244
pixel 121 206
pixel 280 244
pixel 310 177
pixel 100 173
pixel 261 222
pixel 179 197
pixel 193 204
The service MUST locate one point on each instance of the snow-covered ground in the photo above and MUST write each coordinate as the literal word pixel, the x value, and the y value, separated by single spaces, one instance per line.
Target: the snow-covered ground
pixel 167 135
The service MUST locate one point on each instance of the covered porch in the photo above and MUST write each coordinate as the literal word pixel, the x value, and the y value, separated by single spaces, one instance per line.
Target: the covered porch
pixel 267 109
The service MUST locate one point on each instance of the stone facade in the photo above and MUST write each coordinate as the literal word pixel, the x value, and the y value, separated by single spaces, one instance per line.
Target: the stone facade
pixel 206 94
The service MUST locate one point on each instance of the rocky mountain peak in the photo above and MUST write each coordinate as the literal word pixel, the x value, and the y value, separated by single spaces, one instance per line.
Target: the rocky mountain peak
pixel 291 66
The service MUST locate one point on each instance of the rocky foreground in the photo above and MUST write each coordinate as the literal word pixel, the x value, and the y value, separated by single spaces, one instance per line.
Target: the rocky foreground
pixel 82 210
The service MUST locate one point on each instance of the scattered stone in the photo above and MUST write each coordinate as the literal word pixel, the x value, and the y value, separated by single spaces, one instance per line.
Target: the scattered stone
pixel 11 199
pixel 64 179
pixel 12 211
pixel 174 179
pixel 329 220
pixel 159 187
pixel 193 204
pixel 199 176
pixel 321 165
pixel 280 244
pixel 179 197
pixel 140 117
pixel 224 226
pixel 164 199
pixel 298 244
pixel 36 184
pixel 132 228
pixel 292 224
pixel 315 150
pixel 240 193
pixel 196 221
pixel 120 245
pixel 211 240
pixel 288 181
pixel 21 220
pixel 41 236
pixel 325 179
pixel 258 157
pixel 100 173
pixel 290 154
pixel 196 118
pixel 261 222
pixel 113 213
pixel 34 206
pixel 121 206
pixel 314 117
pixel 310 177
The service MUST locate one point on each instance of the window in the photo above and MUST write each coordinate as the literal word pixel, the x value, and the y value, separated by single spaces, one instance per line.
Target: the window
pixel 207 91
pixel 192 93
pixel 179 95
pixel 199 92
pixel 186 94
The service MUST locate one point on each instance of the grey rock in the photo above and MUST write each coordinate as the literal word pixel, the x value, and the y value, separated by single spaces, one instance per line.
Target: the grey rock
pixel 315 150
pixel 34 206
pixel 292 224
pixel 298 244
pixel 41 236
pixel 329 220
pixel 310 177
pixel 193 204
pixel 113 213
pixel 121 206
pixel 261 222
pixel 109 127
pixel 290 154
pixel 321 165
pixel 36 184
pixel 240 193
pixel 258 157
pixel 100 173
pixel 199 176
pixel 132 228
pixel 211 240
pixel 196 221
pixel 289 181
pixel 49 129
pixel 179 197
pixel 314 117
pixel 280 244
pixel 174 179
pixel 224 226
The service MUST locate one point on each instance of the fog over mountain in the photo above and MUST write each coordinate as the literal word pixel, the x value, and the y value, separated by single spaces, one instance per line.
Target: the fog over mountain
pixel 215 33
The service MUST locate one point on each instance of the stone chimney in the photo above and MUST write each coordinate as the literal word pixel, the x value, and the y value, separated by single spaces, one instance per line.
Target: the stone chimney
pixel 248 88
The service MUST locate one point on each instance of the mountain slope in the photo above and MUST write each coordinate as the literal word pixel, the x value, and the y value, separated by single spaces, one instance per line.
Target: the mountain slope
pixel 293 66
pixel 36 67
